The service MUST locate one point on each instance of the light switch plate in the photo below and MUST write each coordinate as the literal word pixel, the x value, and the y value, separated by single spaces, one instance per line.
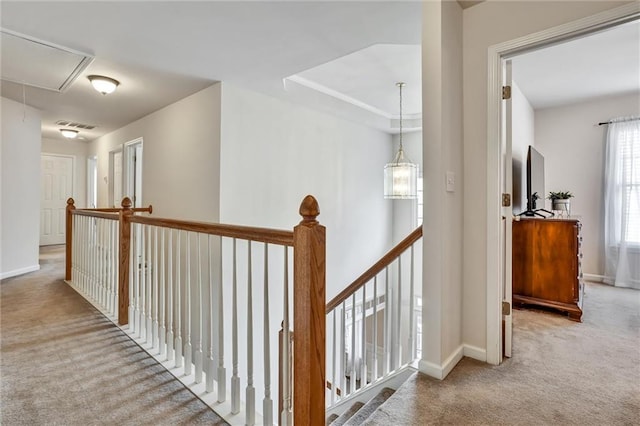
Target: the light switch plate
pixel 450 181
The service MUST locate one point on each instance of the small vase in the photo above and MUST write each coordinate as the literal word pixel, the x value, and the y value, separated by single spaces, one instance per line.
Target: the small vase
pixel 563 206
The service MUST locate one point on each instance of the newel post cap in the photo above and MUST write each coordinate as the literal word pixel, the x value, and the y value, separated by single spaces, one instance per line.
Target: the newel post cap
pixel 70 202
pixel 126 203
pixel 309 210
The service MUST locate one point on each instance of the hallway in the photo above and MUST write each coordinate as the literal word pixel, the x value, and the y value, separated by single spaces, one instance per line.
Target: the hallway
pixel 63 362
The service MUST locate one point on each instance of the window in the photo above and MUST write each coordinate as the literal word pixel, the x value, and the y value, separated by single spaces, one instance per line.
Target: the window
pixel 630 183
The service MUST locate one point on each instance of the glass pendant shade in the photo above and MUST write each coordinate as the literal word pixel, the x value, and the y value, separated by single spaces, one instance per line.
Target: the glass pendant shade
pixel 401 178
pixel 401 175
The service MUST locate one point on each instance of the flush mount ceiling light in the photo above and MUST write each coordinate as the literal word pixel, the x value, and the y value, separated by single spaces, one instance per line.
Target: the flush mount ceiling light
pixel 401 175
pixel 69 134
pixel 102 84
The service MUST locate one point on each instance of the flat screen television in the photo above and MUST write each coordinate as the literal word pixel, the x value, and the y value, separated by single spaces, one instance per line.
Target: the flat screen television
pixel 535 181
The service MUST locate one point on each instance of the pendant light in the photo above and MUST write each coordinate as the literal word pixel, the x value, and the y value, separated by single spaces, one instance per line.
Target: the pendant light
pixel 401 175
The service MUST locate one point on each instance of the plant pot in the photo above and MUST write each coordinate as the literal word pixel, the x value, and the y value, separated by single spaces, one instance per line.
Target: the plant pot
pixel 563 206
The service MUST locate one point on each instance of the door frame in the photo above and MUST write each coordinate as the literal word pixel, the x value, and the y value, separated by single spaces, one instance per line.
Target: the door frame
pixel 496 54
pixel 129 173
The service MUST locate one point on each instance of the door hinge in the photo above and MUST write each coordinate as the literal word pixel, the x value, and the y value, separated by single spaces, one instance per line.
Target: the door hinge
pixel 506 308
pixel 506 92
pixel 506 200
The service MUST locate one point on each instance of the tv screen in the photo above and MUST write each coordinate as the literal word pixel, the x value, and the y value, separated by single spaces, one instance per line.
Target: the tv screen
pixel 535 180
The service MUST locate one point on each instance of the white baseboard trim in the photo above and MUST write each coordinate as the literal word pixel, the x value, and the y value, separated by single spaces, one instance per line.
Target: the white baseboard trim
pixel 594 278
pixel 475 352
pixel 20 271
pixel 441 371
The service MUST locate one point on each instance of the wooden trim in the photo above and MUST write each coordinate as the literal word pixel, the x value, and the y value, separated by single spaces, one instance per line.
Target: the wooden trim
pixel 126 214
pixel 95 213
pixel 264 235
pixel 68 239
pixel 308 317
pixel 116 210
pixel 378 267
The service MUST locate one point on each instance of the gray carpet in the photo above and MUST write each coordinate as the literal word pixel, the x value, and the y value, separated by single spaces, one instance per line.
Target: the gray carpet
pixel 561 373
pixel 64 363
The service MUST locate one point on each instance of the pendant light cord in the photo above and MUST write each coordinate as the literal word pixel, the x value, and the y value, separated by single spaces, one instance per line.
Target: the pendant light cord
pixel 400 86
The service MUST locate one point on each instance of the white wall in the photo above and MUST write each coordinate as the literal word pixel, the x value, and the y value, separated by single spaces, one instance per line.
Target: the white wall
pixel 276 152
pixel 573 147
pixel 20 198
pixel 405 211
pixel 442 152
pixel 487 24
pixel 522 136
pixel 77 149
pixel 180 170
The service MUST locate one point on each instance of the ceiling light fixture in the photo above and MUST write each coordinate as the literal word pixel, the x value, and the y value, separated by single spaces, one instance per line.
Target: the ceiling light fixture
pixel 102 84
pixel 69 134
pixel 401 175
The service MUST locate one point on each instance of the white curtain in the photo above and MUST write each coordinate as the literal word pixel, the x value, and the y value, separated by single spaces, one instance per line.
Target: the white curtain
pixel 622 203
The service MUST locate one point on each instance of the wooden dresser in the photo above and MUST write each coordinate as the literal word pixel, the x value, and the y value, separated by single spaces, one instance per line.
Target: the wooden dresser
pixel 547 268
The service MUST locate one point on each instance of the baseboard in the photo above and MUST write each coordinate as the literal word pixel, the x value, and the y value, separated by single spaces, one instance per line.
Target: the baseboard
pixel 475 352
pixel 20 271
pixel 594 278
pixel 441 371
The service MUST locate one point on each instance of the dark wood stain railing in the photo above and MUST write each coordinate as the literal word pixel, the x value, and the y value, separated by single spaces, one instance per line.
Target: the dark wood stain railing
pixel 308 242
pixel 378 267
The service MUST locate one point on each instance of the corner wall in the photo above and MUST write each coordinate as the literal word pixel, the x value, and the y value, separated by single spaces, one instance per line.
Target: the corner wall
pixel 20 183
pixel 573 146
pixel 523 135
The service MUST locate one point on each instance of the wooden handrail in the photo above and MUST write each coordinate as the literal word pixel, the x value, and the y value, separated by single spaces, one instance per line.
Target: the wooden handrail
pixel 116 209
pixel 263 235
pixel 375 269
pixel 95 213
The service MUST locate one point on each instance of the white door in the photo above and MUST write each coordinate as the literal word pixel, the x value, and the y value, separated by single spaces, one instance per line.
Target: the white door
pixel 506 178
pixel 133 171
pixel 56 188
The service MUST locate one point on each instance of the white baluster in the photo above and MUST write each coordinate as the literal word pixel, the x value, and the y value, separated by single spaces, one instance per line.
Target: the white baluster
pixel 286 415
pixel 352 370
pixel 334 378
pixel 250 392
pixel 267 403
pixel 235 380
pixel 210 363
pixel 374 355
pixel 343 351
pixel 143 282
pixel 170 308
pixel 132 281
pixel 178 342
pixel 116 265
pixel 187 316
pixel 162 331
pixel 412 350
pixel 363 335
pixel 386 363
pixel 148 271
pixel 156 295
pixel 398 338
pixel 222 372
pixel 198 356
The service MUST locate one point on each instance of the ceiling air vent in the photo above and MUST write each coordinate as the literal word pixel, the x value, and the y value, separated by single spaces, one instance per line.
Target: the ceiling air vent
pixel 67 123
pixel 37 63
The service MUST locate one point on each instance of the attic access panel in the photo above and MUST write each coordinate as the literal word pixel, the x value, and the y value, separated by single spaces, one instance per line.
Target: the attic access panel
pixel 37 63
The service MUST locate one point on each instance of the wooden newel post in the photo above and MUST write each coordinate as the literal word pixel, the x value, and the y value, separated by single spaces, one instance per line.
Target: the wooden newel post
pixel 309 320
pixel 68 239
pixel 123 258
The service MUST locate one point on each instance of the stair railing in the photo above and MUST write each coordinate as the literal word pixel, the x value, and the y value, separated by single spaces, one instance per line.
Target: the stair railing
pixel 186 291
pixel 373 324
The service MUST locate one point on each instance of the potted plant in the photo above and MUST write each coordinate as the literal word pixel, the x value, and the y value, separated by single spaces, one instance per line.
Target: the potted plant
pixel 561 201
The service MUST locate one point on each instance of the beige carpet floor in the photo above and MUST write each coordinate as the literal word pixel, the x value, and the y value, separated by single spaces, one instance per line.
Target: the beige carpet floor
pixel 64 363
pixel 561 373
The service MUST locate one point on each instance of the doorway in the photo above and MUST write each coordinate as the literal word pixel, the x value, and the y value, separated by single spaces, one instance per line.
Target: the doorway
pixel 133 171
pixel 56 179
pixel 497 159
